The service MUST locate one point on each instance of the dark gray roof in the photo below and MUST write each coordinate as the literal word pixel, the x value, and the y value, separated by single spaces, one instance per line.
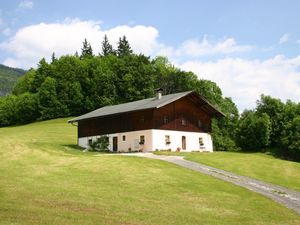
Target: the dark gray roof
pixel 148 103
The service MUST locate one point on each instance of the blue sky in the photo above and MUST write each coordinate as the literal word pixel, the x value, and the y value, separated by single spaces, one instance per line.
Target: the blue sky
pixel 247 47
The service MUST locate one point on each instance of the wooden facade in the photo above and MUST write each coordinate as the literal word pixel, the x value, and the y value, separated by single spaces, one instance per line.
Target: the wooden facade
pixel 185 114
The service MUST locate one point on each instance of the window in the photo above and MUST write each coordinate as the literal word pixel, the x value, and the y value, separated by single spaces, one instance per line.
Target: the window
pixel 142 139
pixel 201 143
pixel 183 121
pixel 90 141
pixel 166 119
pixel 123 138
pixel 167 139
pixel 199 123
pixel 142 119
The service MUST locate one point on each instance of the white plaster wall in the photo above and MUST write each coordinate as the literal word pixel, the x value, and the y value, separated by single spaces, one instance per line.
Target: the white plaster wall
pixel 83 142
pixel 192 140
pixel 155 139
pixel 132 141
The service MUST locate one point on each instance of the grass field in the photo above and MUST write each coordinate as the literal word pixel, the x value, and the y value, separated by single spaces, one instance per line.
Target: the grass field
pixel 44 179
pixel 256 165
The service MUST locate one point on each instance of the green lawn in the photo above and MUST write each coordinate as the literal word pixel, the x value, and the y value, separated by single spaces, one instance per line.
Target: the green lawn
pixel 256 165
pixel 45 180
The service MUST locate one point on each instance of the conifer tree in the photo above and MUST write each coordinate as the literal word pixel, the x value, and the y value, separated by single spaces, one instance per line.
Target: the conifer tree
pixel 124 47
pixel 53 58
pixel 86 50
pixel 107 48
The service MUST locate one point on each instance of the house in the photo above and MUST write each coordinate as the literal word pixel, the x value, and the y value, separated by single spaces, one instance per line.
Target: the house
pixel 180 121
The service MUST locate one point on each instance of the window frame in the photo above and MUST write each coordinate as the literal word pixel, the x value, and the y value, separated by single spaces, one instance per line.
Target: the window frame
pixel 142 119
pixel 166 119
pixel 201 142
pixel 142 140
pixel 167 139
pixel 200 124
pixel 183 121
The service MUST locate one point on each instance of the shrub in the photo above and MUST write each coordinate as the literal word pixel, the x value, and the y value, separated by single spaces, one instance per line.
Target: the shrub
pixel 100 145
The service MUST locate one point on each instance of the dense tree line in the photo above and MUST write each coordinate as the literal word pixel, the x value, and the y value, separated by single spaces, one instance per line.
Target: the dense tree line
pixel 75 84
pixel 273 125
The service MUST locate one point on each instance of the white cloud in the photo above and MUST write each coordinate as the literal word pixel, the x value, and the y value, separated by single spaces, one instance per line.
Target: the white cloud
pixel 25 4
pixel 196 47
pixel 143 39
pixel 284 38
pixel 31 43
pixel 245 80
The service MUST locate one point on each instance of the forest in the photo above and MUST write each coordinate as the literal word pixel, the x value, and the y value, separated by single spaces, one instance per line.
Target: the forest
pixel 75 84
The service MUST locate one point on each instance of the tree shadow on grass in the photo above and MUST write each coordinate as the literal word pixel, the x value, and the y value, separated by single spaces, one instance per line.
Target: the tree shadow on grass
pixel 73 148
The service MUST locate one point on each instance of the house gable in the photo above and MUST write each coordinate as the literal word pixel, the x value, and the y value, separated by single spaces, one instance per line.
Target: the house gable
pixel 182 115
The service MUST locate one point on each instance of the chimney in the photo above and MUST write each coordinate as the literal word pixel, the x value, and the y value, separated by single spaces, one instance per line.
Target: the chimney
pixel 159 93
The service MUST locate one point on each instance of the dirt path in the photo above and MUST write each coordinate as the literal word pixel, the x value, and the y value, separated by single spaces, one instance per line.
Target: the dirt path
pixel 284 196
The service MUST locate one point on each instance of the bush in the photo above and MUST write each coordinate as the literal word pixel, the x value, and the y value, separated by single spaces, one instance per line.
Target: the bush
pixel 223 136
pixel 100 145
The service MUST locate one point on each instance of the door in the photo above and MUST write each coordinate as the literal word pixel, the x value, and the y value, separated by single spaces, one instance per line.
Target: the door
pixel 115 144
pixel 183 141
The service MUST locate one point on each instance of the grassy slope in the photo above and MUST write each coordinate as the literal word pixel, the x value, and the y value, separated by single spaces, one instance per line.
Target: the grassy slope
pixel 257 165
pixel 45 180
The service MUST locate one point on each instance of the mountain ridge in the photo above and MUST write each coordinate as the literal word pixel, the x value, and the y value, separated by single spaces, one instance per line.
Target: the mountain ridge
pixel 8 78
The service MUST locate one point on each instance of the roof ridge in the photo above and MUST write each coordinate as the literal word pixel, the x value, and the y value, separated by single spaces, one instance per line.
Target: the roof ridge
pixel 149 98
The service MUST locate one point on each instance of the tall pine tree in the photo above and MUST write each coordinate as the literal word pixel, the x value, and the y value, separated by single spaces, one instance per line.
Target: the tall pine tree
pixel 86 50
pixel 53 58
pixel 107 48
pixel 124 47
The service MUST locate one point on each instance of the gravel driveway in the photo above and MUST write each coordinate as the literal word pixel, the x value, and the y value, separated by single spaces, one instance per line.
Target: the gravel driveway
pixel 284 196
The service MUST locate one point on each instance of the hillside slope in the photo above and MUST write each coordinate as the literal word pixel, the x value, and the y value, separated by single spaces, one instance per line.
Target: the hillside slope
pixel 256 165
pixel 45 179
pixel 8 78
